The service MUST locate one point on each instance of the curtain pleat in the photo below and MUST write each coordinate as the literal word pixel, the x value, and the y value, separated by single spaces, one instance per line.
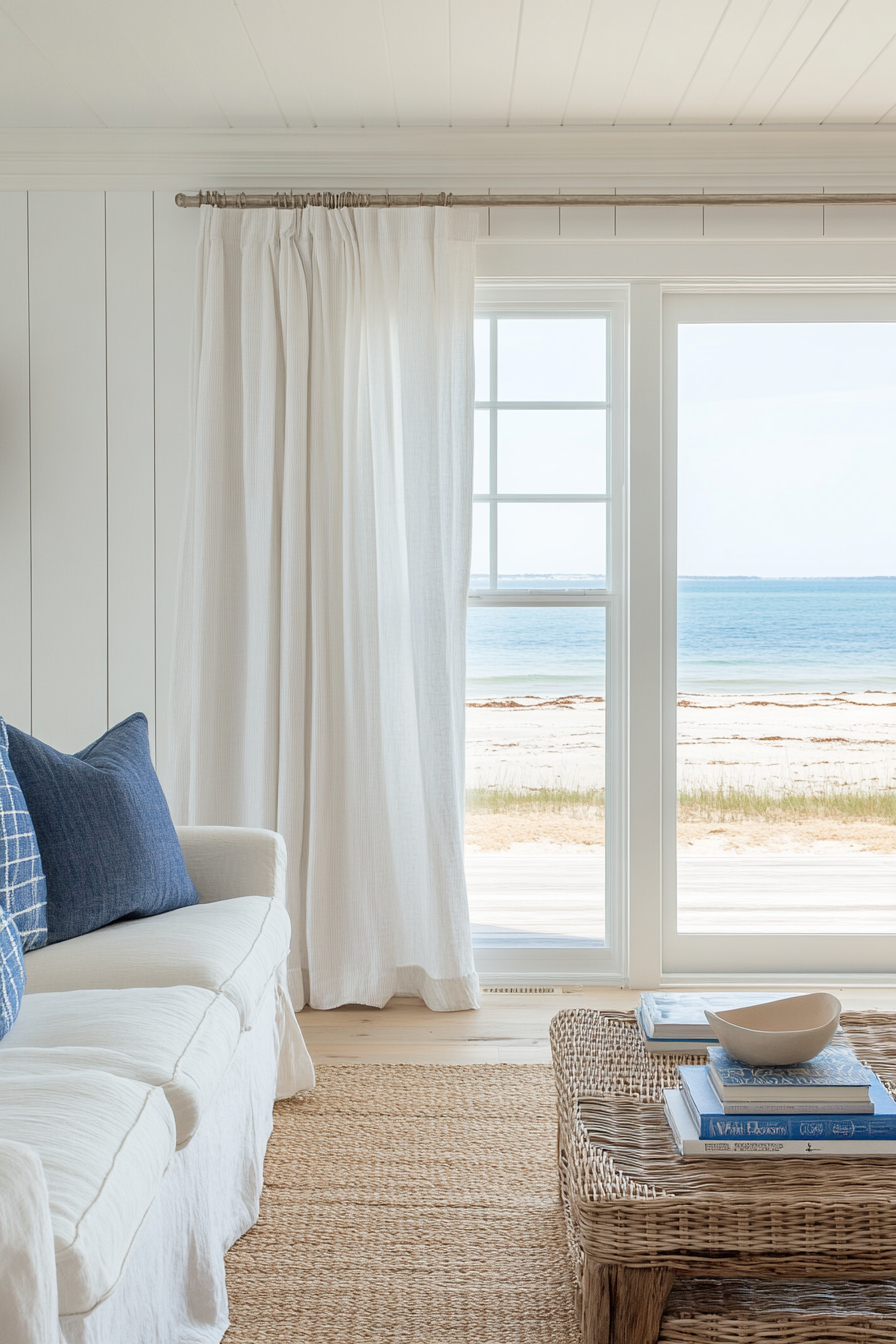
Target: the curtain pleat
pixel 318 684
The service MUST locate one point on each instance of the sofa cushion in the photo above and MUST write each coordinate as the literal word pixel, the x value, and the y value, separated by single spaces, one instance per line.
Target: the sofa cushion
pixel 23 887
pixel 12 972
pixel 232 947
pixel 180 1039
pixel 104 1144
pixel 107 842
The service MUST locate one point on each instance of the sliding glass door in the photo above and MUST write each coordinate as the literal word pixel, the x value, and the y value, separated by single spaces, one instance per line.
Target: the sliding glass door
pixel 780 635
pixel 542 614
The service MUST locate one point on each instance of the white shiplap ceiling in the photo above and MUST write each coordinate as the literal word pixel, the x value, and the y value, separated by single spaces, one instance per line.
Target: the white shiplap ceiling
pixel 270 64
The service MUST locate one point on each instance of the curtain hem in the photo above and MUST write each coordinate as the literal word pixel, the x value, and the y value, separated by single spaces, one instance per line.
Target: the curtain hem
pixel 458 994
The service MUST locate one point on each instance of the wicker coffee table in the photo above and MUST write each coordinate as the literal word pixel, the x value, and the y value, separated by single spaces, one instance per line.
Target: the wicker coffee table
pixel 638 1214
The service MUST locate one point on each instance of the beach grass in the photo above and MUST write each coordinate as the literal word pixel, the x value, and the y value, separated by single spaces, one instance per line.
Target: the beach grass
pixel 709 803
pixel 535 799
pixel 725 802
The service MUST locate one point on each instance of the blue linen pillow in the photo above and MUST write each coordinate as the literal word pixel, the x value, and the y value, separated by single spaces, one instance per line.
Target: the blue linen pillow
pixel 23 887
pixel 106 838
pixel 12 972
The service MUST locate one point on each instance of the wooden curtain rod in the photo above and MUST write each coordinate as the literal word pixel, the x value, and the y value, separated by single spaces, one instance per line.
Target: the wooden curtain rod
pixel 333 200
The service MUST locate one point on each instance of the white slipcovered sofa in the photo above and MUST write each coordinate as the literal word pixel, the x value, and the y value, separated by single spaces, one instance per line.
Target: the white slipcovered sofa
pixel 136 1093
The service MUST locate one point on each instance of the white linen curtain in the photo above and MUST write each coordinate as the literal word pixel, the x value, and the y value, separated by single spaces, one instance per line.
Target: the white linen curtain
pixel 318 684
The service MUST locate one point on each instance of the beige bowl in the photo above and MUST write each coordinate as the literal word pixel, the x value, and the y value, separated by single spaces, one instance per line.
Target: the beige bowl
pixel 787 1031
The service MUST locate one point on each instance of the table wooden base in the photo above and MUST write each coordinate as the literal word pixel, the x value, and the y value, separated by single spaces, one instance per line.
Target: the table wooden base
pixel 623 1306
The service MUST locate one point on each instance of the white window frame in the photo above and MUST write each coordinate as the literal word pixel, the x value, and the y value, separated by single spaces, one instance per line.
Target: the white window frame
pixel 521 298
pixel 707 959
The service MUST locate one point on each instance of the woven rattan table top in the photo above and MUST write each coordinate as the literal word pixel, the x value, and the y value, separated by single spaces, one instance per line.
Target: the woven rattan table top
pixel 633 1201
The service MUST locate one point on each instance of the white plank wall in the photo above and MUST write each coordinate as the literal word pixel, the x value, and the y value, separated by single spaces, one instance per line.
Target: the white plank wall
pixel 67 292
pixel 176 232
pixel 95 315
pixel 15 462
pixel 130 403
pixel 96 309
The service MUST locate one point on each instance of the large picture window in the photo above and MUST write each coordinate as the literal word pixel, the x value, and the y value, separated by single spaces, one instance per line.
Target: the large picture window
pixel 541 625
pixel 682 634
pixel 783 856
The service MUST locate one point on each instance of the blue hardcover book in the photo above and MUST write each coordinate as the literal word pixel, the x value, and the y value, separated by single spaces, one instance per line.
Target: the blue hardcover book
pixel 712 1122
pixel 834 1074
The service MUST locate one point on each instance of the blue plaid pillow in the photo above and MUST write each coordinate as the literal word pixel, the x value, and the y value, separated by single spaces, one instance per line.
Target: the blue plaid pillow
pixel 12 972
pixel 23 888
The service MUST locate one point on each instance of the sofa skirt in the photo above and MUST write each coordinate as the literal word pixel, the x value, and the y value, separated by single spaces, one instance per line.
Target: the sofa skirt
pixel 172 1289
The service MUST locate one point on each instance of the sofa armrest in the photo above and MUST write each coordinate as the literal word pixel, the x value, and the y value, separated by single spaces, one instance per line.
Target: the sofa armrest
pixel 227 861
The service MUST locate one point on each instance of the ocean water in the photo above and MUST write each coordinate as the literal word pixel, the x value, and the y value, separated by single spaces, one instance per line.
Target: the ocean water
pixel 734 634
pixel 535 651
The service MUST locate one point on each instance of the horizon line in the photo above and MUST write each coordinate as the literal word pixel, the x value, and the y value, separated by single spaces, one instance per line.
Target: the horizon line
pixel 775 578
pixel 759 578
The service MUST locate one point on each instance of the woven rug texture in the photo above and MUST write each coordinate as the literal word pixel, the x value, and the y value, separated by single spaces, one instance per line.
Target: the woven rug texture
pixel 418 1204
pixel 409 1204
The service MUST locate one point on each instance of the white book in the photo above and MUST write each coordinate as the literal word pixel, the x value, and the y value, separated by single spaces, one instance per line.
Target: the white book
pixel 689 1144
pixel 661 1046
pixel 681 1016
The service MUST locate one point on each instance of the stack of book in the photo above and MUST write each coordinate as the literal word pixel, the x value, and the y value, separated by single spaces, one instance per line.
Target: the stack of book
pixel 831 1106
pixel 676 1023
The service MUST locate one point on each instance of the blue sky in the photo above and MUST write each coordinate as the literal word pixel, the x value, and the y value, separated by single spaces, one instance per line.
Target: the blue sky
pixel 787 449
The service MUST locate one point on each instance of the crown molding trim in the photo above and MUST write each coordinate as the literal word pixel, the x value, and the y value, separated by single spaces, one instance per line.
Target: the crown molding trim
pixel 802 158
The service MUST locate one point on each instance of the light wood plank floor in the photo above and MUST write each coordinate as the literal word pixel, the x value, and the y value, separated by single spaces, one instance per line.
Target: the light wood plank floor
pixel 506 1029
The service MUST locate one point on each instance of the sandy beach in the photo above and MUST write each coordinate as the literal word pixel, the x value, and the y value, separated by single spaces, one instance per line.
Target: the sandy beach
pixel 771 744
pixel 788 741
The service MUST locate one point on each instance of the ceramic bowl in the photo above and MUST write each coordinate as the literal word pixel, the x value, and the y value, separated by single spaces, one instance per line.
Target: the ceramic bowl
pixel 787 1031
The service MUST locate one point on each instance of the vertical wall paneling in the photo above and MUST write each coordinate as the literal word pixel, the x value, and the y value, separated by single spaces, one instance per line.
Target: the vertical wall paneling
pixel 68 466
pixel 859 221
pixel 588 221
pixel 130 400
pixel 764 221
pixel 15 466
pixel 175 234
pixel 533 221
pixel 660 221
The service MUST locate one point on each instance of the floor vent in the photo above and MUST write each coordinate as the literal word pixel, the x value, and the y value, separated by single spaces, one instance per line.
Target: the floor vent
pixel 521 989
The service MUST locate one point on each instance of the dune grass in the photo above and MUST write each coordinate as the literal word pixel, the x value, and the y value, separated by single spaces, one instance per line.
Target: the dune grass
pixel 723 802
pixel 536 799
pixel 710 803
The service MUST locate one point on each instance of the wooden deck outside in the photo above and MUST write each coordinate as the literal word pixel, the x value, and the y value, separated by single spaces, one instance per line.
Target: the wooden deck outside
pixel 543 900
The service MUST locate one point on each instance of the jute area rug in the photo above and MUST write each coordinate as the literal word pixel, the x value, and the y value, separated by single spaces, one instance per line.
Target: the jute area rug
pixel 417 1204
pixel 409 1202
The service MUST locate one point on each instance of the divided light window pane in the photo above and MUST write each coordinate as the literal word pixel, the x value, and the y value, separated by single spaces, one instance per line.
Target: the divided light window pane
pixel 552 545
pixel 481 352
pixel 551 452
pixel 552 359
pixel 479 568
pixel 481 452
